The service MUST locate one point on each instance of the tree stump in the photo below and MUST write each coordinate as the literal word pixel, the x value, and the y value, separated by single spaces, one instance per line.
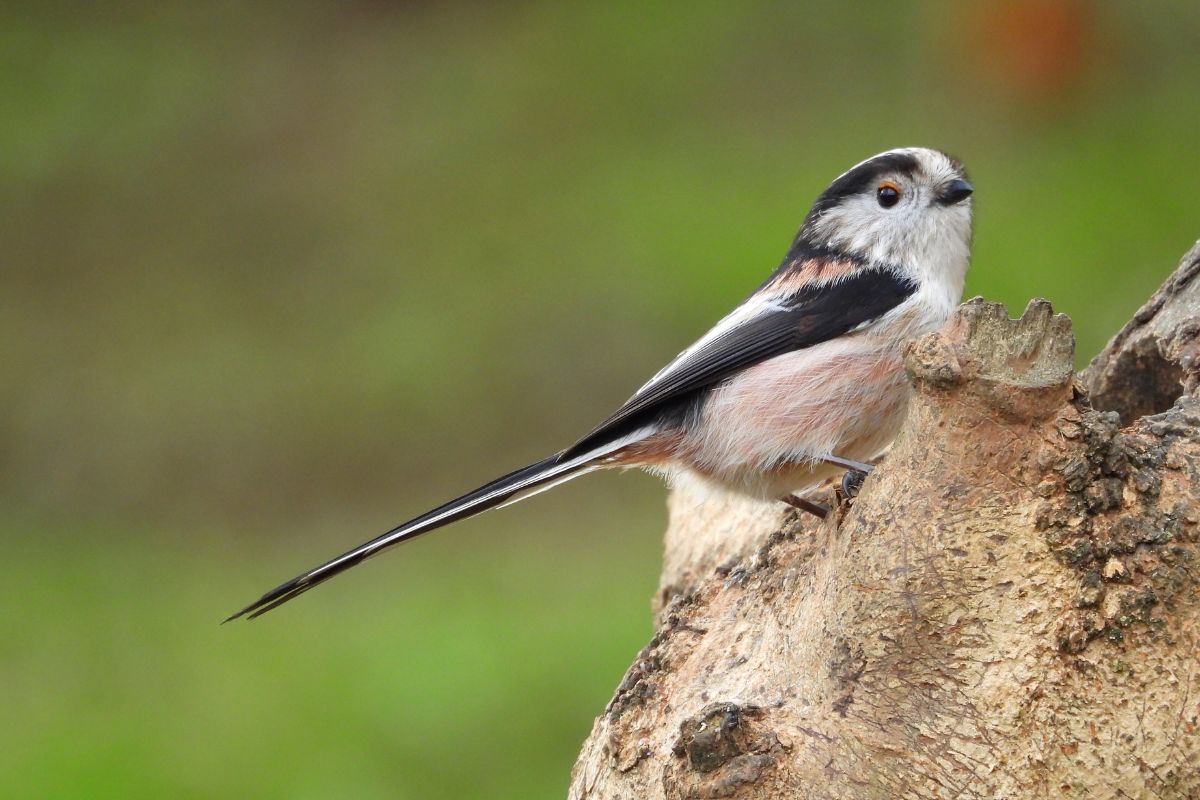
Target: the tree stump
pixel 1009 609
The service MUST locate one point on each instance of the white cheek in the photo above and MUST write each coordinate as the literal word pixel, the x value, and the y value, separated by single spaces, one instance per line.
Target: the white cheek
pixel 881 235
pixel 931 241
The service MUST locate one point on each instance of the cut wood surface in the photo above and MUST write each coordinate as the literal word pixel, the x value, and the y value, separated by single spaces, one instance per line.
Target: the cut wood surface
pixel 1009 609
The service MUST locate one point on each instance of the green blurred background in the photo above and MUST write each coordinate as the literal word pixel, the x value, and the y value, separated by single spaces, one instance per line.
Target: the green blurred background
pixel 275 277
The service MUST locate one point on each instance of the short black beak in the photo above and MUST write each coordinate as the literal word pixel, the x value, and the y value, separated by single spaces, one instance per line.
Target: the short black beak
pixel 955 191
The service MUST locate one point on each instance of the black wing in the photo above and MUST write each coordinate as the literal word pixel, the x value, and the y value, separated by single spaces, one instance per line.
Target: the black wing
pixel 809 316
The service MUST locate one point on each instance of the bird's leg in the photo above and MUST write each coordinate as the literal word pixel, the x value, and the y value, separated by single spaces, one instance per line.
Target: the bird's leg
pixel 846 463
pixel 856 473
pixel 816 509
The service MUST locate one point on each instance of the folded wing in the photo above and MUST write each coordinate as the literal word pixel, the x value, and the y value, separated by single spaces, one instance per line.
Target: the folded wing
pixel 762 328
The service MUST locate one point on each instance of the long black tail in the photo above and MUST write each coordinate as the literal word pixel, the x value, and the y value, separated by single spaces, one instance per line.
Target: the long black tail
pixel 507 489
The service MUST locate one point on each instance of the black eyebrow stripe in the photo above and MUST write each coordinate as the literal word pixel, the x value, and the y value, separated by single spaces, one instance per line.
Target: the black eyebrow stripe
pixel 862 176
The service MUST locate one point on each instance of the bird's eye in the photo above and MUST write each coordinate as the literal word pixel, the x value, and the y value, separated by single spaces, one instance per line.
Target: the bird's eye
pixel 888 194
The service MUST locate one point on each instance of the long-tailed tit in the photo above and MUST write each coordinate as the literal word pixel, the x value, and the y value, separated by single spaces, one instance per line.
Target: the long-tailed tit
pixel 802 380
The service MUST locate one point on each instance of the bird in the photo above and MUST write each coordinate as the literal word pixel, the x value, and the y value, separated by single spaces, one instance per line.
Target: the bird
pixel 803 380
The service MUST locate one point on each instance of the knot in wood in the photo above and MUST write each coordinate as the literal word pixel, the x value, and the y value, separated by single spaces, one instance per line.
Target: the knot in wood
pixel 710 738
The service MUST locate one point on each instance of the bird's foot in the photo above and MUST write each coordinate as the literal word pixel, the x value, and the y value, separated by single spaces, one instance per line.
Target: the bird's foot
pixel 816 509
pixel 851 482
pixel 856 473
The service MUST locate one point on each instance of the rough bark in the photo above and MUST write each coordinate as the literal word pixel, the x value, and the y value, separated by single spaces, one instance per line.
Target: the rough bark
pixel 1010 608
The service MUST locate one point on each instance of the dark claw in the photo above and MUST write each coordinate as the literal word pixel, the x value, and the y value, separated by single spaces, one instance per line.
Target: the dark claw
pixel 851 482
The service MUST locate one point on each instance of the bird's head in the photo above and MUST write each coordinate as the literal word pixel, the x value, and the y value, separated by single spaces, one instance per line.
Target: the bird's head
pixel 908 208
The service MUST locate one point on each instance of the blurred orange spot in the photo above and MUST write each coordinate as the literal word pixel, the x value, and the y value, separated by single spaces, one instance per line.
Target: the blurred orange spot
pixel 1036 47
